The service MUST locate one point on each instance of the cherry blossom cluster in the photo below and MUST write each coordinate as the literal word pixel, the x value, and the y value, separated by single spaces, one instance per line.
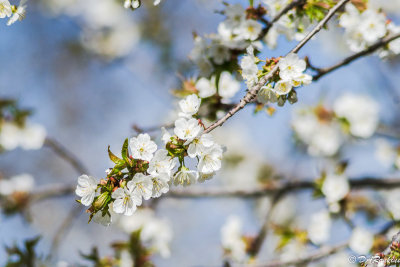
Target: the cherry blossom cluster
pixel 364 27
pixel 291 74
pixel 235 33
pixel 15 131
pixel 146 172
pixel 14 13
pixel 352 114
pixel 108 30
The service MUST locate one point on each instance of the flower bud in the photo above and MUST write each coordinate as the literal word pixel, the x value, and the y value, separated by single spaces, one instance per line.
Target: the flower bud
pixel 101 201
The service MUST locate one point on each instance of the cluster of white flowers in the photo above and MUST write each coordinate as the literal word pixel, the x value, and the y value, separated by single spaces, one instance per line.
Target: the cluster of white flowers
pixel 155 233
pixel 19 183
pixel 293 26
pixel 363 29
pixel 12 12
pixel 235 32
pixel 154 179
pixel 352 114
pixel 228 86
pixel 200 145
pixel 30 136
pixel 108 29
pixel 232 240
pixel 291 74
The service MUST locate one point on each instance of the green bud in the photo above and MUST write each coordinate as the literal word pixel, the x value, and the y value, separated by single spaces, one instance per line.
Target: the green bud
pixel 101 201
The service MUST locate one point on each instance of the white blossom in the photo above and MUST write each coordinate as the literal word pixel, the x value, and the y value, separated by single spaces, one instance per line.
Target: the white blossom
pixel 32 136
pixel 235 14
pixel 206 87
pixel 103 220
pixel 291 67
pixel 185 177
pixel 86 189
pixel 335 187
pixel 361 241
pixel 5 9
pixel 161 163
pixel 142 147
pixel 249 30
pixel 187 129
pixel 360 111
pixel 166 136
pixel 210 159
pixel 199 144
pixel 19 14
pixel 126 199
pixel 9 136
pixel 249 67
pixel 143 185
pixel 266 94
pixel 283 87
pixel 160 184
pixel 319 227
pixel 231 238
pixel 219 53
pixel 227 86
pixel 189 106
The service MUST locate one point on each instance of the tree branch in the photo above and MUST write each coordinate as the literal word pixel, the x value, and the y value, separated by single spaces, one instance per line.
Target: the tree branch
pixel 317 255
pixel 251 94
pixel 215 192
pixel 63 153
pixel 322 71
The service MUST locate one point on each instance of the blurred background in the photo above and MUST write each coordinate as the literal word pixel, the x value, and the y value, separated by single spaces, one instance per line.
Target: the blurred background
pixel 90 70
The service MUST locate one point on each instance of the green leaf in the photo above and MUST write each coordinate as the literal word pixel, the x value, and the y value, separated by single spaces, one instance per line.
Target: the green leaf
pixel 251 2
pixel 112 156
pixel 124 151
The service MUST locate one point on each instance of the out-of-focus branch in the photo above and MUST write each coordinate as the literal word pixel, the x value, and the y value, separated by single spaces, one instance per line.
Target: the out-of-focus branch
pixel 251 94
pixel 215 192
pixel 317 255
pixel 323 71
pixel 285 10
pixel 66 155
pixel 66 224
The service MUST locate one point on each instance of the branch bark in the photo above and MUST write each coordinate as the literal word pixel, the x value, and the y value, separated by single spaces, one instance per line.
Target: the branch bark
pixel 381 43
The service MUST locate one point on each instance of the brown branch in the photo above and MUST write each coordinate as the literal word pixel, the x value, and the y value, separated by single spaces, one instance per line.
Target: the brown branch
pixel 66 155
pixel 323 71
pixel 251 94
pixel 215 192
pixel 317 255
pixel 285 10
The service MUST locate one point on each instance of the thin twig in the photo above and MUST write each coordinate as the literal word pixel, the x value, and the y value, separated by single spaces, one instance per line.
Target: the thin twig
pixel 62 152
pixel 319 254
pixel 285 10
pixel 66 225
pixel 251 94
pixel 323 71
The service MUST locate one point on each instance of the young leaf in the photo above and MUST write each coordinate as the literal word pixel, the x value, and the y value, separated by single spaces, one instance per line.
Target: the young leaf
pixel 124 151
pixel 112 156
